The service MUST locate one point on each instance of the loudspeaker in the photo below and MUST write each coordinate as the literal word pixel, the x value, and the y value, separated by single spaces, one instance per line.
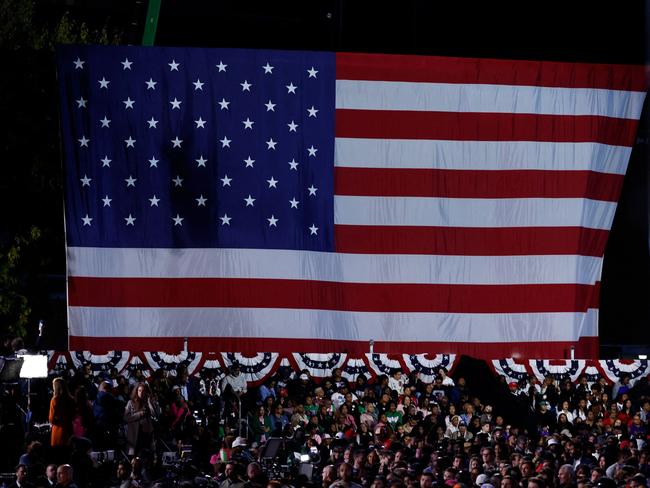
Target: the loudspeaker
pixel 10 370
pixel 272 448
pixel 307 469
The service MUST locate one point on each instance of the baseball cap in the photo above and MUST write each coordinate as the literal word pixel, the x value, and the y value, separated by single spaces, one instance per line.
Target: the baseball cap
pixel 304 377
pixel 481 479
pixel 239 442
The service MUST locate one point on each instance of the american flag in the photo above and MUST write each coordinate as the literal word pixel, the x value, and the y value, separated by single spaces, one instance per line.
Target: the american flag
pixel 257 200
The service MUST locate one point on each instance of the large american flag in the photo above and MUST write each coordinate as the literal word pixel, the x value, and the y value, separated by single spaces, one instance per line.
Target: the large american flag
pixel 256 200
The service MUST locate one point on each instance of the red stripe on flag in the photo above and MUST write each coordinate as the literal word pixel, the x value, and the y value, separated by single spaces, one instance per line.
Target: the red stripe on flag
pixel 320 295
pixel 478 126
pixel 472 241
pixel 585 347
pixel 411 182
pixel 385 67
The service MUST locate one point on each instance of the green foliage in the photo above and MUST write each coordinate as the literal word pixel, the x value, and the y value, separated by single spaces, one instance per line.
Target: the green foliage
pixel 14 305
pixel 32 244
pixel 20 30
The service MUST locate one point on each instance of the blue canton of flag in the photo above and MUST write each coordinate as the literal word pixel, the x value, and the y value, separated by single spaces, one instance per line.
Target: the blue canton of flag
pixel 197 148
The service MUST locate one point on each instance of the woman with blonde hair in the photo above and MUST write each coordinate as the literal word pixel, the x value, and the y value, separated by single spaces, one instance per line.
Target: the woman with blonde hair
pixel 62 411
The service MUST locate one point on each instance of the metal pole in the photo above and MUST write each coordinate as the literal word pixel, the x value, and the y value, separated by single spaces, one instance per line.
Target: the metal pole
pixel 151 24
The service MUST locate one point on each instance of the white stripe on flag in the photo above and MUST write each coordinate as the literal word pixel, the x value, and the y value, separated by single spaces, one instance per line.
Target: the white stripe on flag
pixel 455 97
pixel 480 155
pixel 474 212
pixel 332 267
pixel 326 324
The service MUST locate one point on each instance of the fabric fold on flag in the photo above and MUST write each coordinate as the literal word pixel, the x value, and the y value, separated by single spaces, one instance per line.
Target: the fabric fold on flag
pixel 258 200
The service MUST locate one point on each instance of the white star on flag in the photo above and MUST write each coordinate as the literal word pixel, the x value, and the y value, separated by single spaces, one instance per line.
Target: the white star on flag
pixel 268 69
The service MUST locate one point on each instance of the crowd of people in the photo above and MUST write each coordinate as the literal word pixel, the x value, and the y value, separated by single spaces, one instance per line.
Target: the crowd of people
pixel 396 431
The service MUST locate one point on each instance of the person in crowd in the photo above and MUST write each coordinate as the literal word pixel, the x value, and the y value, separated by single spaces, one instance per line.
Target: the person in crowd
pixel 50 474
pixel 232 478
pixel 83 421
pixel 64 477
pixel 21 478
pixel 124 479
pixel 62 411
pixel 106 416
pixel 139 415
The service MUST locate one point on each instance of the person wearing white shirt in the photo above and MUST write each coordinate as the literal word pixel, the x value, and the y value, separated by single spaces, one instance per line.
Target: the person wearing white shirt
pixel 396 382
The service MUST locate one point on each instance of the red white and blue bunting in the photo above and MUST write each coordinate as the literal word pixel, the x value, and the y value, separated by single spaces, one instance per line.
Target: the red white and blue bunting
pixel 514 370
pixel 319 365
pixel 428 365
pixel 559 369
pixel 254 368
pixel 171 362
pixel 615 368
pixel 259 367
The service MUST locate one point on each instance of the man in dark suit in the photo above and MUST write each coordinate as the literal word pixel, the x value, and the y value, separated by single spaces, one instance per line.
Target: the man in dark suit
pixel 21 478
